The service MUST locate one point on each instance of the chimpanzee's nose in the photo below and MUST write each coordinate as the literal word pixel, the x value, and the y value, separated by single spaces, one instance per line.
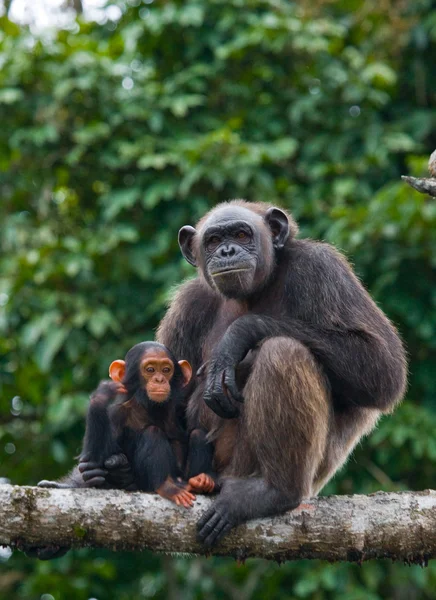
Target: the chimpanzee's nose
pixel 227 250
pixel 159 378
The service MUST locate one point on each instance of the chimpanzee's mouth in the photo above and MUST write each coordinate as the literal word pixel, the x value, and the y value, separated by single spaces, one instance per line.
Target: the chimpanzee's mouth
pixel 160 398
pixel 230 270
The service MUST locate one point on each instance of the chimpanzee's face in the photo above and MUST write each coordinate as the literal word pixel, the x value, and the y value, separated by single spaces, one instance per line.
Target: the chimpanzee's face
pixel 234 248
pixel 229 253
pixel 156 372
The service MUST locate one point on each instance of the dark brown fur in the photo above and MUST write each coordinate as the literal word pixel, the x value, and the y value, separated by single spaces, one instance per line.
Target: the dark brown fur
pixel 300 419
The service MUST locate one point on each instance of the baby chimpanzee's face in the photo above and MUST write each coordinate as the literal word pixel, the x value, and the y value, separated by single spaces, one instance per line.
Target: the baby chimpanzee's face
pixel 151 374
pixel 156 371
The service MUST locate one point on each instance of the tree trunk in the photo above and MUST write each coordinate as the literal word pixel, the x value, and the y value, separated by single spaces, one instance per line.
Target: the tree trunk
pixel 337 528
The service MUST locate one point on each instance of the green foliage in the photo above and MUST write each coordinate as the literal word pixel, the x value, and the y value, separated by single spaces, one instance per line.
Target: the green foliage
pixel 115 135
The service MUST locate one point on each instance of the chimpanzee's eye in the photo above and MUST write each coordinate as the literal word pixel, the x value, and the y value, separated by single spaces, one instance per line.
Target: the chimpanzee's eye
pixel 166 370
pixel 242 235
pixel 150 370
pixel 213 242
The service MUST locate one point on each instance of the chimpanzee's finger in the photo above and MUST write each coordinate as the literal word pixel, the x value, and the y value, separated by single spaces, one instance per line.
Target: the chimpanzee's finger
pixel 116 461
pixel 45 483
pixel 230 384
pixel 88 466
pixel 207 523
pixel 219 532
pixel 96 482
pixel 221 406
pixel 202 369
pixel 88 475
pixel 50 552
pixel 186 499
pixel 218 393
pixel 209 486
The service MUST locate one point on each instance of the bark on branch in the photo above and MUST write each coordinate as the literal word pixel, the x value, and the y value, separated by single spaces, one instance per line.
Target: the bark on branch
pixel 353 528
pixel 425 186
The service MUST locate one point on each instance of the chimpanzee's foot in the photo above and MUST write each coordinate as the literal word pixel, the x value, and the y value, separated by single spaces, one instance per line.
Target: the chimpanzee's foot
pixel 177 492
pixel 45 552
pixel 202 484
pixel 46 483
pixel 239 501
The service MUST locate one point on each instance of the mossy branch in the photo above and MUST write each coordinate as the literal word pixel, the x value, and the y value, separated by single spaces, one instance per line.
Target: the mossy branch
pixel 338 528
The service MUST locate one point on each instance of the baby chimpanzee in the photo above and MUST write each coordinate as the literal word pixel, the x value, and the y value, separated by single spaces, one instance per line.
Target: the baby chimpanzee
pixel 141 414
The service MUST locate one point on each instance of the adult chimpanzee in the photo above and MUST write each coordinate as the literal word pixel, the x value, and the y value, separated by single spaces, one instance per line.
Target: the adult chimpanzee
pixel 141 414
pixel 300 361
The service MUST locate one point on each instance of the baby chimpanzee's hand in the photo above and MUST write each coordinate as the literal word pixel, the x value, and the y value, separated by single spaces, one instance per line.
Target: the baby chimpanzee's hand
pixel 115 473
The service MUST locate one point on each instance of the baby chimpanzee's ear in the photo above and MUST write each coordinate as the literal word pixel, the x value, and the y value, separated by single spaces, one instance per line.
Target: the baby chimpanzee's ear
pixel 117 370
pixel 186 370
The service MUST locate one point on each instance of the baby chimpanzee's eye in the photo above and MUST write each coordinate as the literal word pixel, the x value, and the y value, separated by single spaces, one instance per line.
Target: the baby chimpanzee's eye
pixel 166 370
pixel 149 370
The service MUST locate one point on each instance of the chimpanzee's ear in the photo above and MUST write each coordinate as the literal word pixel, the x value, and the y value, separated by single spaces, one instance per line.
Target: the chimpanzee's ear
pixel 117 370
pixel 186 370
pixel 278 222
pixel 186 237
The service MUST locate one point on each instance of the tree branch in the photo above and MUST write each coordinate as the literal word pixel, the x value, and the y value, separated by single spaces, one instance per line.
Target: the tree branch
pixel 353 528
pixel 427 185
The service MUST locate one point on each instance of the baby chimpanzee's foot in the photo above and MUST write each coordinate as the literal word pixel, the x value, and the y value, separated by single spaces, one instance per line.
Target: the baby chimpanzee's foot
pixel 176 492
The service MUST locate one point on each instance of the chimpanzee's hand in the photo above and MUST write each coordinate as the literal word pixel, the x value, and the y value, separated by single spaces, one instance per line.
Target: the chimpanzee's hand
pixel 120 474
pixel 221 390
pixel 114 473
pixel 93 473
pixel 107 390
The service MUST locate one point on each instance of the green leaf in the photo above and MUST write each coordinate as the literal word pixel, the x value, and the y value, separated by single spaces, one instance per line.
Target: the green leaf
pixel 50 346
pixel 118 200
pixel 10 95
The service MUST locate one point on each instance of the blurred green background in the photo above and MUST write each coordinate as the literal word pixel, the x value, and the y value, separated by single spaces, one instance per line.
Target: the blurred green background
pixel 115 134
